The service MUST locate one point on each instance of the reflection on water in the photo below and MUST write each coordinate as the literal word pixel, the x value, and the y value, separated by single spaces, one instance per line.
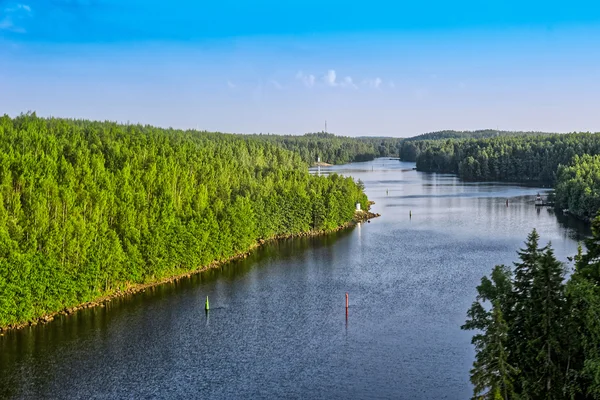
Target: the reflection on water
pixel 278 327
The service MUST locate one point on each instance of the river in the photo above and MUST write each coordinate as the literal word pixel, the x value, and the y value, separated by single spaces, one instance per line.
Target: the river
pixel 277 327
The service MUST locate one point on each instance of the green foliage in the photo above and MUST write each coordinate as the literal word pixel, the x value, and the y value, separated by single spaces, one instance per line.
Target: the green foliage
pixel 479 134
pixel 492 375
pixel 88 208
pixel 525 158
pixel 538 338
pixel 335 149
pixel 577 186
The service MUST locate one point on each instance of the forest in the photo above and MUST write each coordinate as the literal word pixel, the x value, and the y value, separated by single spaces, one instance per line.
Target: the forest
pixel 479 134
pixel 563 161
pixel 577 186
pixel 537 336
pixel 90 208
pixel 335 149
pixel 533 158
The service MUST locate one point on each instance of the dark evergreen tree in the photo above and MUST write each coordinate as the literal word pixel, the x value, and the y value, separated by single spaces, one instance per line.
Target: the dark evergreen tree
pixel 545 331
pixel 492 375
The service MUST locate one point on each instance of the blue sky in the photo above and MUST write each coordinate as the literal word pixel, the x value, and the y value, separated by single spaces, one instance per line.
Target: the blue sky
pixel 369 68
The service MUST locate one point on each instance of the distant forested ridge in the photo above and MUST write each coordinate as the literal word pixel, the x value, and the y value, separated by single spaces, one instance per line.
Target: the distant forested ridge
pixel 334 149
pixel 89 208
pixel 537 336
pixel 479 134
pixel 530 158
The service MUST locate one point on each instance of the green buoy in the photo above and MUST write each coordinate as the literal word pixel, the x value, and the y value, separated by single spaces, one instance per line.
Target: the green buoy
pixel 206 307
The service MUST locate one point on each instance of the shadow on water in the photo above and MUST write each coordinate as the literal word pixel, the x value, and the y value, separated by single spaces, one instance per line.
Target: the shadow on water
pixel 277 326
pixel 577 229
pixel 28 353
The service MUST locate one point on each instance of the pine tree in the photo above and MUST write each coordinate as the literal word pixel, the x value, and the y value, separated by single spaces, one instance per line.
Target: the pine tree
pixel 492 375
pixel 520 312
pixel 545 331
pixel 583 292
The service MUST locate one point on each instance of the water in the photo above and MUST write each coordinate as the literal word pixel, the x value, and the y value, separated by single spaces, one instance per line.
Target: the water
pixel 278 328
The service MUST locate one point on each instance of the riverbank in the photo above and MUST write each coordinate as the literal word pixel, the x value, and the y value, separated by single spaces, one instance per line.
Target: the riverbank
pixel 359 216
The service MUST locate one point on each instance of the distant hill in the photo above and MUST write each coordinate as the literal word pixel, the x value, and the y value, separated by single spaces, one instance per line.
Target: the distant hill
pixel 479 134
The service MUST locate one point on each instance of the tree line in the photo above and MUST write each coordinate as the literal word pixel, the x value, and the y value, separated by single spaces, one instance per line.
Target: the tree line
pixel 538 337
pixel 566 161
pixel 334 149
pixel 478 134
pixel 531 158
pixel 88 208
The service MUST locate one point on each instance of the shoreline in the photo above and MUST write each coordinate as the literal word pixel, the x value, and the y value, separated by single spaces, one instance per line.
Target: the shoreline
pixel 359 216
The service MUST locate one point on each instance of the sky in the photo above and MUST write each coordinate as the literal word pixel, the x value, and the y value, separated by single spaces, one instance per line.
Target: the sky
pixel 371 68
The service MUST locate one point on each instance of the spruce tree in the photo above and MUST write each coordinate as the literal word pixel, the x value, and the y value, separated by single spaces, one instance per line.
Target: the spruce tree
pixel 583 293
pixel 520 314
pixel 545 332
pixel 492 375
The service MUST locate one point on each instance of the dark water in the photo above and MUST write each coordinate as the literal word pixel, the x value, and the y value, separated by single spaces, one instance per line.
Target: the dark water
pixel 277 327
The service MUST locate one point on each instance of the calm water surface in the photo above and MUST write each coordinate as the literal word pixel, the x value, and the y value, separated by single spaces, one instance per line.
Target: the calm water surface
pixel 278 328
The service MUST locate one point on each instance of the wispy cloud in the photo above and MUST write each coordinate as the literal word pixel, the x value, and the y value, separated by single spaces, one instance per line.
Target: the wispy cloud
pixel 307 80
pixel 374 83
pixel 348 82
pixel 330 78
pixel 392 85
pixel 12 14
pixel 276 84
pixel 231 85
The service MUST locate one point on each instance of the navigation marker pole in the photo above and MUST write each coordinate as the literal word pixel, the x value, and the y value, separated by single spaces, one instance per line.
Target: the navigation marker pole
pixel 206 307
pixel 346 307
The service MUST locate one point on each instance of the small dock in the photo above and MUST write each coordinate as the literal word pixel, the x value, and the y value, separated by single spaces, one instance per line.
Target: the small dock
pixel 541 202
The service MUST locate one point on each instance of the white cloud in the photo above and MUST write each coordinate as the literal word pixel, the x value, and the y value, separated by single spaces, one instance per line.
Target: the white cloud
pixel 231 85
pixel 392 84
pixel 18 12
pixel 330 78
pixel 307 80
pixel 374 83
pixel 8 25
pixel 348 82
pixel 276 84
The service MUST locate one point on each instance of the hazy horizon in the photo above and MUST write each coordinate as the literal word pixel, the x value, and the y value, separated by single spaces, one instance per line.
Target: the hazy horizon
pixel 389 69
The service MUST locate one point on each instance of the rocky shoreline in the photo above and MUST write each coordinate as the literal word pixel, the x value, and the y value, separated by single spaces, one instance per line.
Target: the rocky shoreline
pixel 359 216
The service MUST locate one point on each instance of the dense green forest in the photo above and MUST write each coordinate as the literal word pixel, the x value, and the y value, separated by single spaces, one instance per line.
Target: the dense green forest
pixel 532 158
pixel 479 134
pixel 334 149
pixel 578 185
pixel 89 208
pixel 537 336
